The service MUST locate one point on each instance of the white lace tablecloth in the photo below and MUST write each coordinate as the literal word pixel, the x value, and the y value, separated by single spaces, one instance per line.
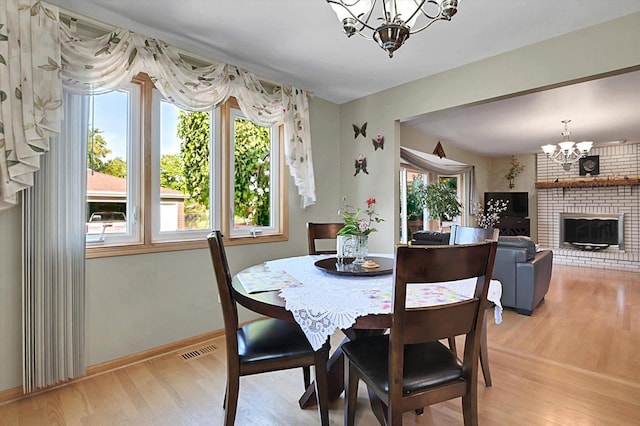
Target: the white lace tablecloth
pixel 325 302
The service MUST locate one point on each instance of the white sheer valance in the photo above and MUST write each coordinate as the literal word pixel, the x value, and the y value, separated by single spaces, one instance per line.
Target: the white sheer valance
pixel 94 65
pixel 40 54
pixel 444 166
pixel 432 163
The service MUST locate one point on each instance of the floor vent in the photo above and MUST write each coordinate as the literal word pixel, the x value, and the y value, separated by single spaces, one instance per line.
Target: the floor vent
pixel 197 352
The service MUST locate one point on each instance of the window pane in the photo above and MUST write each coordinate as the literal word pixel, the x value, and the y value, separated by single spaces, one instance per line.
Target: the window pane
pixel 107 157
pixel 252 174
pixel 185 139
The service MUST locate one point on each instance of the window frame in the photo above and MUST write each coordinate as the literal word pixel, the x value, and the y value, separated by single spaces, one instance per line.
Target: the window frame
pixel 220 195
pixel 158 236
pixel 279 230
pixel 134 174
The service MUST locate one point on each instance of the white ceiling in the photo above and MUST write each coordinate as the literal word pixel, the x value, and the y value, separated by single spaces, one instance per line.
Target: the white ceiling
pixel 300 42
pixel 603 111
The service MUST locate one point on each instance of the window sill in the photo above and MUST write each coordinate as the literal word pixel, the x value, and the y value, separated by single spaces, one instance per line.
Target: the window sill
pixel 125 250
pixel 95 252
pixel 244 240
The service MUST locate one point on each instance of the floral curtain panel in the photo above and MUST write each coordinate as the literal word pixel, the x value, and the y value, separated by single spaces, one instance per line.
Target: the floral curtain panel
pixel 30 91
pixel 95 65
pixel 34 45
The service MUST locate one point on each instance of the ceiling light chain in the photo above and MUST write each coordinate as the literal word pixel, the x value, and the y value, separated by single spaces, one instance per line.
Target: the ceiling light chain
pixel 398 18
pixel 566 152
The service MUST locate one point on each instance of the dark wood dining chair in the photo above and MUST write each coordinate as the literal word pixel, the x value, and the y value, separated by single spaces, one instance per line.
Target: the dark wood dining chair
pixel 263 345
pixel 410 368
pixel 322 231
pixel 465 235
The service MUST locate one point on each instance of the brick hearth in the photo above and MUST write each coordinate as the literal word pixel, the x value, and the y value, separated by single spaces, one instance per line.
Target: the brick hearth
pixel 616 163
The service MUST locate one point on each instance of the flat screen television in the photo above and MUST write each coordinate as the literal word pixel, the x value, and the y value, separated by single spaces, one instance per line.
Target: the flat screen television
pixel 517 206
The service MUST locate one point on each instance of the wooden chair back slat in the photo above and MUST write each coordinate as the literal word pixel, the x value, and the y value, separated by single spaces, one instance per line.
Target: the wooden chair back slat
pixel 322 231
pixel 432 324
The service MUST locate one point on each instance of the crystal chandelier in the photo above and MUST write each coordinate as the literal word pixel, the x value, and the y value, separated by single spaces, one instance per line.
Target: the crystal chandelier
pixel 566 152
pixel 394 20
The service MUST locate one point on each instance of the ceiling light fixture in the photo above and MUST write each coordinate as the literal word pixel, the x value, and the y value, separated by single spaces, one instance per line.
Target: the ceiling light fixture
pixel 396 20
pixel 566 152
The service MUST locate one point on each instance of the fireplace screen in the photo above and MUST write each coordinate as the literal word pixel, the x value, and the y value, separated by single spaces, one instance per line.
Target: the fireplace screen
pixel 592 231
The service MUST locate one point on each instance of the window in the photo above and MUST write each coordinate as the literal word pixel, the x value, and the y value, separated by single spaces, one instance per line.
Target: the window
pixel 454 183
pixel 182 172
pixel 253 175
pixel 113 174
pixel 160 178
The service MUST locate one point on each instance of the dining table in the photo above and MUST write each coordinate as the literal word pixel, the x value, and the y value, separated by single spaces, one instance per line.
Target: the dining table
pixel 323 294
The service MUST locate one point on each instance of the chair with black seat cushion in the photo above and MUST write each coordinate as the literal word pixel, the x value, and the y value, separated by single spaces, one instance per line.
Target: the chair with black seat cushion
pixel 466 235
pixel 410 368
pixel 322 231
pixel 263 345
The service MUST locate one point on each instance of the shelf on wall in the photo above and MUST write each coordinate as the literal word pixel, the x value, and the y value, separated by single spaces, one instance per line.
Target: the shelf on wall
pixel 590 182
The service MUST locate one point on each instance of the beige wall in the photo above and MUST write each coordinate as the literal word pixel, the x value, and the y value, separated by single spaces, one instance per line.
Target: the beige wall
pixel 525 182
pixel 10 300
pixel 135 303
pixel 490 171
pixel 415 139
pixel 139 302
pixel 600 49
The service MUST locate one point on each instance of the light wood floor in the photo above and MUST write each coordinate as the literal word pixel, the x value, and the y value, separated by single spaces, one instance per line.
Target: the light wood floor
pixel 576 361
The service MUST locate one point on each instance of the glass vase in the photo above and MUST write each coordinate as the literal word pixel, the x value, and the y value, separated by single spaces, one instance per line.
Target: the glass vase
pixel 360 248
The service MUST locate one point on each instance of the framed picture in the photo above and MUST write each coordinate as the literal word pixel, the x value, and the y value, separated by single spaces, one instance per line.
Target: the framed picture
pixel 590 165
pixel 450 181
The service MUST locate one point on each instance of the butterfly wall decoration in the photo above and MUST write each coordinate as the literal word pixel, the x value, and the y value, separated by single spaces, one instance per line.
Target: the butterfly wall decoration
pixel 359 130
pixel 378 142
pixel 361 164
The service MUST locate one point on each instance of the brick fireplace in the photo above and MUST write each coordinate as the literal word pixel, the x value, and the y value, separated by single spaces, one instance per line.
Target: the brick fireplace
pixel 614 193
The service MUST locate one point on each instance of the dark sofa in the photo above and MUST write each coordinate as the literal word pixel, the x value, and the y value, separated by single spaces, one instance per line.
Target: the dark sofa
pixel 524 272
pixel 425 238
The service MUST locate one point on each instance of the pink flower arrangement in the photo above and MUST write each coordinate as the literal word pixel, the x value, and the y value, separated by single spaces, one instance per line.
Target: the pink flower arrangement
pixel 359 224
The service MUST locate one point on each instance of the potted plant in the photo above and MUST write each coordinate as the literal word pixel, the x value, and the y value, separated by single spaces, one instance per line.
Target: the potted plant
pixel 440 200
pixel 514 171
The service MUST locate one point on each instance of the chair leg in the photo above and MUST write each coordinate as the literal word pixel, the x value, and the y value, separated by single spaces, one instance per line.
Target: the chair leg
pixel 470 409
pixel 452 344
pixel 351 380
pixel 231 399
pixel 322 385
pixel 484 354
pixel 306 374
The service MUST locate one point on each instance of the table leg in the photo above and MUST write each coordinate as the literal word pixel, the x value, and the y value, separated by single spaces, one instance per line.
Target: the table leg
pixel 335 380
pixel 335 370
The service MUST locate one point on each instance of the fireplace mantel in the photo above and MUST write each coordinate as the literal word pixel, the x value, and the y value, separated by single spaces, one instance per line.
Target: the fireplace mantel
pixel 590 182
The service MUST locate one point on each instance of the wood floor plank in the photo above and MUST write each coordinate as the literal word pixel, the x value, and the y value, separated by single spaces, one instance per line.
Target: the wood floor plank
pixel 575 361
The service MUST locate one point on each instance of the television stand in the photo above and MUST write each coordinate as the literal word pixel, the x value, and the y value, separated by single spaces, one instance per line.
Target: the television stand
pixel 514 226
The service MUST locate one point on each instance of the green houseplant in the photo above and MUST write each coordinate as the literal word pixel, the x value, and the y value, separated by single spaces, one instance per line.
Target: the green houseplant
pixel 414 204
pixel 439 199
